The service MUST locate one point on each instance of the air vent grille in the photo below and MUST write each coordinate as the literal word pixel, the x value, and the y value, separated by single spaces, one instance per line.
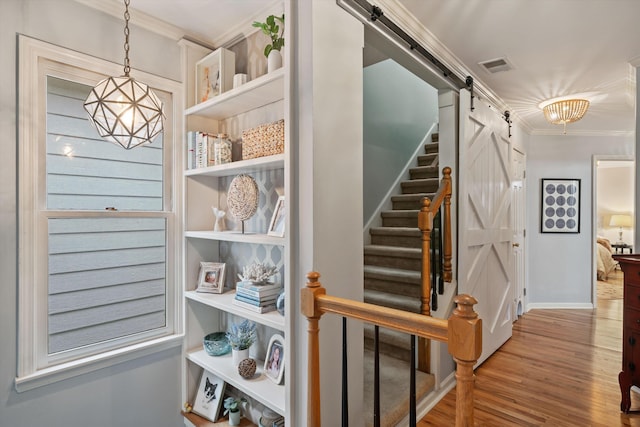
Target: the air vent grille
pixel 496 65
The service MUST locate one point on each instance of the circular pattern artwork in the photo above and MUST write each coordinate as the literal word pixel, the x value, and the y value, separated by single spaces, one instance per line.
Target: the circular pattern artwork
pixel 560 206
pixel 242 197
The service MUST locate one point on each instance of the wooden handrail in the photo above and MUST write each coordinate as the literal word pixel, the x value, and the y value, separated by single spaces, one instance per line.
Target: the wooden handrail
pixel 462 332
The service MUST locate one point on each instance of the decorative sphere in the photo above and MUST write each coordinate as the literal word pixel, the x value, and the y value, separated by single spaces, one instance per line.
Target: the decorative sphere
pixel 247 368
pixel 242 197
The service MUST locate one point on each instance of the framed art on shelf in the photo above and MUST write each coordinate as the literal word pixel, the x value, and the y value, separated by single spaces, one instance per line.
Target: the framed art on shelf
pixel 276 226
pixel 209 397
pixel 214 74
pixel 560 205
pixel 211 277
pixel 274 362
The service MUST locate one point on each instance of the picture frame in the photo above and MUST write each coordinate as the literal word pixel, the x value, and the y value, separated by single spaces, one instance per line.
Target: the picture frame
pixel 209 396
pixel 559 205
pixel 274 362
pixel 211 277
pixel 276 226
pixel 214 74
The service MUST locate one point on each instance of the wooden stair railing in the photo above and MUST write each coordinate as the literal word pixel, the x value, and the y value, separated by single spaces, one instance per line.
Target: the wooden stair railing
pixel 462 332
pixel 425 224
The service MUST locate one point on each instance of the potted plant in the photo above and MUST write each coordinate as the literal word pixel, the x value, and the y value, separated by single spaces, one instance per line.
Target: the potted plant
pixel 232 407
pixel 273 27
pixel 257 273
pixel 241 336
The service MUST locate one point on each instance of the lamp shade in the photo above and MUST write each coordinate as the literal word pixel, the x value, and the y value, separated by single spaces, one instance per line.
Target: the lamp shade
pixel 621 221
pixel 125 111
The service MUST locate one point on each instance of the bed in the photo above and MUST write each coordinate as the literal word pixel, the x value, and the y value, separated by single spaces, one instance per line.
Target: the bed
pixel 606 263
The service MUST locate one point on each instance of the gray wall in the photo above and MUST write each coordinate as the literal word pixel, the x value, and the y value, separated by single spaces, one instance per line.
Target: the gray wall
pixel 559 265
pixel 146 391
pixel 399 108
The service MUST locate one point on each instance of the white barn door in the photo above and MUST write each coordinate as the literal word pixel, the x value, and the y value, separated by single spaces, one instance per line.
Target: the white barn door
pixel 484 211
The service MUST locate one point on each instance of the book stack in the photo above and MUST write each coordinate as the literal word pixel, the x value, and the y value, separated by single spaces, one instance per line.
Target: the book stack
pixel 258 298
pixel 199 150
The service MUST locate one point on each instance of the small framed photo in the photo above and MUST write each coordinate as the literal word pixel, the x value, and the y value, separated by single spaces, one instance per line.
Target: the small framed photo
pixel 274 362
pixel 211 277
pixel 214 74
pixel 209 397
pixel 560 205
pixel 276 227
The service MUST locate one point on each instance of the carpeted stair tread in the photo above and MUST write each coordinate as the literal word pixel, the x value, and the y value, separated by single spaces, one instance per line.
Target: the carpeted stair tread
pixel 426 185
pixel 385 299
pixel 428 159
pixel 396 236
pixel 393 251
pixel 431 148
pixel 394 389
pixel 389 336
pixel 409 201
pixel 392 274
pixel 422 172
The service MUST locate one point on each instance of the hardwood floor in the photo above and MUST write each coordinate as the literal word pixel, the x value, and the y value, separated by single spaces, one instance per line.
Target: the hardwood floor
pixel 560 368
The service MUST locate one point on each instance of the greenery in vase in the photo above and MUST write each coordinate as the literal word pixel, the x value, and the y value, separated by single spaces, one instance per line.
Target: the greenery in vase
pixel 274 28
pixel 232 404
pixel 242 335
pixel 257 272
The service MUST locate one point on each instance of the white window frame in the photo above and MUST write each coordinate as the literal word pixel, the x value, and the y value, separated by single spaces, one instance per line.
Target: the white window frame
pixel 36 368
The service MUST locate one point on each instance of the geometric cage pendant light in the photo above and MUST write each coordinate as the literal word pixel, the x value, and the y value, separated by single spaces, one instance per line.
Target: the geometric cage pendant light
pixel 122 109
pixel 564 111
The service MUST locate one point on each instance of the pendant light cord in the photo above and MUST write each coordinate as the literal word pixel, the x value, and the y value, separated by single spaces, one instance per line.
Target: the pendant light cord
pixel 127 68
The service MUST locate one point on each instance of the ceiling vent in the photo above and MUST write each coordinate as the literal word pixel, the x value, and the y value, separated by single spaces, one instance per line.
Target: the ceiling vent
pixel 496 65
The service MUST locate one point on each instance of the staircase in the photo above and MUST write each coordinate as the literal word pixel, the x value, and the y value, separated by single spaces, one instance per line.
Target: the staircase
pixel 392 267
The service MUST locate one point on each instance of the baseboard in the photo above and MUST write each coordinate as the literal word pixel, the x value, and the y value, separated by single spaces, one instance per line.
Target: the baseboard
pixel 431 399
pixel 559 305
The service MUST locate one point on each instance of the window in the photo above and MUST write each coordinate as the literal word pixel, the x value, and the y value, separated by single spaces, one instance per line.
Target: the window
pixel 97 226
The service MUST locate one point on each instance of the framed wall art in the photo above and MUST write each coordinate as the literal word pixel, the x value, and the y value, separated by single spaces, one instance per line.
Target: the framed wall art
pixel 211 277
pixel 276 226
pixel 560 205
pixel 209 397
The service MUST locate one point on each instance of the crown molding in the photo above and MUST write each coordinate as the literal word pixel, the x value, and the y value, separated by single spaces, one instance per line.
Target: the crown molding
pixel 599 133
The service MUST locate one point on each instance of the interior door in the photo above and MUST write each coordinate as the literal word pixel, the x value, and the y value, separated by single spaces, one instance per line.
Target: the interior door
pixel 485 231
pixel 518 240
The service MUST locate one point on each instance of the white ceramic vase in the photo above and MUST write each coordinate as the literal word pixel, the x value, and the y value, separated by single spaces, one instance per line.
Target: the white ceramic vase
pixel 238 356
pixel 274 60
pixel 234 418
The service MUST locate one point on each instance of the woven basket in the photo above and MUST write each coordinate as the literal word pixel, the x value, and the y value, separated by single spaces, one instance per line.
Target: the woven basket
pixel 264 140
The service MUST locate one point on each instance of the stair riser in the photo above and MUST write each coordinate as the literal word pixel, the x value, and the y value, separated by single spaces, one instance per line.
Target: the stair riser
pixel 400 222
pixel 390 350
pixel 426 160
pixel 403 205
pixel 393 262
pixel 424 173
pixel 396 241
pixel 413 187
pixel 397 288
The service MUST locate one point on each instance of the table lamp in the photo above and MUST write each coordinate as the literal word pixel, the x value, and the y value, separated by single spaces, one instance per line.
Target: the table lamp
pixel 621 221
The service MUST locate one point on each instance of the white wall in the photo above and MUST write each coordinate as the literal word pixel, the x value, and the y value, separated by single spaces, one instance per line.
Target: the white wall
pixel 329 190
pixel 146 391
pixel 559 265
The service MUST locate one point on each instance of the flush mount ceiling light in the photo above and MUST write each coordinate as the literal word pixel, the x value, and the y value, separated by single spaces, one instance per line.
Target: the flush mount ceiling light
pixel 561 112
pixel 123 110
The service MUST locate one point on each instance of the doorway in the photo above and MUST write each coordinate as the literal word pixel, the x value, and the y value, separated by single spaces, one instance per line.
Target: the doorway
pixel 613 219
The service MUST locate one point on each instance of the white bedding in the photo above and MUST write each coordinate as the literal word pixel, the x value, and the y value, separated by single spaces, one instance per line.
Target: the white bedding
pixel 606 263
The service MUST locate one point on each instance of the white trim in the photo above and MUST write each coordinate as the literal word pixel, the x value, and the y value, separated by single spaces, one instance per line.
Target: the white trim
pixel 74 368
pixel 558 132
pixel 558 305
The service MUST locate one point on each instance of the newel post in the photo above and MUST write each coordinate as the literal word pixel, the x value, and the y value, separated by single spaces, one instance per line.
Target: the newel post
pixel 309 309
pixel 465 345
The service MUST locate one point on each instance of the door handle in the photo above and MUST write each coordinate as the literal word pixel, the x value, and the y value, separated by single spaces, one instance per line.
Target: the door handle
pixel 515 245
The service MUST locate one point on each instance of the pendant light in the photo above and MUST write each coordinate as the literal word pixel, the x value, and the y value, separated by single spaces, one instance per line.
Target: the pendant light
pixel 122 109
pixel 564 111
